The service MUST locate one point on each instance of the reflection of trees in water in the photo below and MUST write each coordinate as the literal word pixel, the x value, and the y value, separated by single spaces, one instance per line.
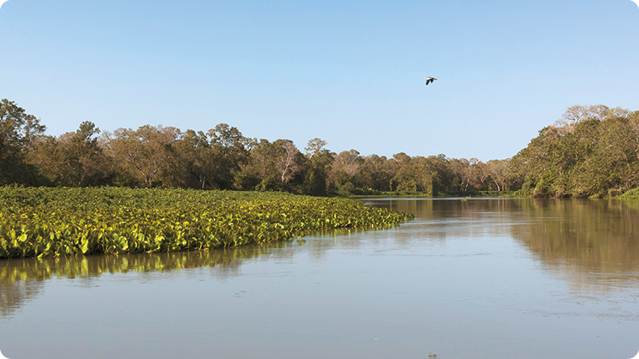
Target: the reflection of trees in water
pixel 15 295
pixel 436 220
pixel 594 243
pixel 441 219
pixel 342 237
pixel 23 279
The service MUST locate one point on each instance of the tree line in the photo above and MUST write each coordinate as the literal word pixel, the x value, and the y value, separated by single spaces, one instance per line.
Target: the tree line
pixel 591 151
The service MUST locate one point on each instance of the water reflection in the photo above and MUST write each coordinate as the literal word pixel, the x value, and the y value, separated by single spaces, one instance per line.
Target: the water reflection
pixel 14 295
pixel 22 280
pixel 593 244
pixel 457 218
pixel 598 236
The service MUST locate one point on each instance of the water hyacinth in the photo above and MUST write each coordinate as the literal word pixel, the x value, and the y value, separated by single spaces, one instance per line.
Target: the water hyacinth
pixel 52 222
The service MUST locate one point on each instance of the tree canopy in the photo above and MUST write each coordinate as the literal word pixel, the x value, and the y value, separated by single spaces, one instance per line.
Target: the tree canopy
pixel 18 131
pixel 589 151
pixel 592 151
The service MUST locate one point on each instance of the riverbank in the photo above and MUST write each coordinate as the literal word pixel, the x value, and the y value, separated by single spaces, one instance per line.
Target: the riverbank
pixel 52 222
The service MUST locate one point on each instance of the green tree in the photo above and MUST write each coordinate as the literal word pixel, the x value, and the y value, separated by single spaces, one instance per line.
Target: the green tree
pixel 593 153
pixel 230 153
pixel 197 159
pixel 260 171
pixel 348 162
pixel 405 178
pixel 146 153
pixel 84 159
pixel 376 172
pixel 317 167
pixel 18 131
pixel 74 159
pixel 499 171
pixel 314 147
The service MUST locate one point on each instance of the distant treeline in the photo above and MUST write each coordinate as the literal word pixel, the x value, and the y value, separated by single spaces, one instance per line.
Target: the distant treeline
pixel 584 154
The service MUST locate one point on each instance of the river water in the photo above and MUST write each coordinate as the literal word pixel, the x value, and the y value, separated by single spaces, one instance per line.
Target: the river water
pixel 476 278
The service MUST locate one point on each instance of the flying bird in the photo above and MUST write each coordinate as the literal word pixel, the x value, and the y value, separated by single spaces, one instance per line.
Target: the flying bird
pixel 636 2
pixel 431 79
pixel 2 2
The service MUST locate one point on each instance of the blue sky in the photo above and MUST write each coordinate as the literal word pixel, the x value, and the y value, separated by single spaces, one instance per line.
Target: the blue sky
pixel 349 72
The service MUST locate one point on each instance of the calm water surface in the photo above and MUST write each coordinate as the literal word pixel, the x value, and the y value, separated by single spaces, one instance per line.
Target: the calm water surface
pixel 477 278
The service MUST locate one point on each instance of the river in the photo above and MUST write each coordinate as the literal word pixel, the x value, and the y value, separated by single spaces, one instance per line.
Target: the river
pixel 468 278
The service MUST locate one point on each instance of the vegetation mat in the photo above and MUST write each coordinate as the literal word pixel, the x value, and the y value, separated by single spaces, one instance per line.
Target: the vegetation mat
pixel 53 222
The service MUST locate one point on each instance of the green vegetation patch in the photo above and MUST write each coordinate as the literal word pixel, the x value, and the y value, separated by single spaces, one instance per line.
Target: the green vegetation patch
pixel 632 194
pixel 52 222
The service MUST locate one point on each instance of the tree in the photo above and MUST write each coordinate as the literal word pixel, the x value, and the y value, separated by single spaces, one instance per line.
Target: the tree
pixel 260 171
pixel 499 171
pixel 145 152
pixel 18 131
pixel 376 173
pixel 317 167
pixel 347 161
pixel 405 178
pixel 230 153
pixel 575 114
pixel 615 157
pixel 314 147
pixel 593 154
pixel 83 156
pixel 287 164
pixel 198 158
pixel 423 174
pixel 73 159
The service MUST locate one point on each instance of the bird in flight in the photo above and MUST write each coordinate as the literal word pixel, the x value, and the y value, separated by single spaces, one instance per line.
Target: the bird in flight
pixel 636 2
pixel 431 79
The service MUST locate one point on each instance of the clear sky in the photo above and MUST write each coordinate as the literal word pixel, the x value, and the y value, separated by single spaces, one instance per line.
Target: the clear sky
pixel 348 72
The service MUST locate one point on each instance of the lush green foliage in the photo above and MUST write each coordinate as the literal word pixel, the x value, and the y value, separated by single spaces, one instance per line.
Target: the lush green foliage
pixel 17 133
pixel 632 194
pixel 590 151
pixel 64 221
pixel 594 153
pixel 220 158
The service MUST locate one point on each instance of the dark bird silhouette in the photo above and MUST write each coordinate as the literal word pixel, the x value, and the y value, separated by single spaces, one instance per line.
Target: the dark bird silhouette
pixel 429 79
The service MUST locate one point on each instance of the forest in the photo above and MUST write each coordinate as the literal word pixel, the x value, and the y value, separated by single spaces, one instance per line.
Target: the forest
pixel 590 151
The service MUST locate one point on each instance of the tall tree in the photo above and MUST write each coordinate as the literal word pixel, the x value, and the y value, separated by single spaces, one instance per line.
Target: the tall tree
pixel 198 159
pixel 344 167
pixel 287 164
pixel 314 147
pixel 18 130
pixel 498 171
pixel 84 158
pixel 73 159
pixel 260 171
pixel 316 167
pixel 146 152
pixel 376 173
pixel 230 151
